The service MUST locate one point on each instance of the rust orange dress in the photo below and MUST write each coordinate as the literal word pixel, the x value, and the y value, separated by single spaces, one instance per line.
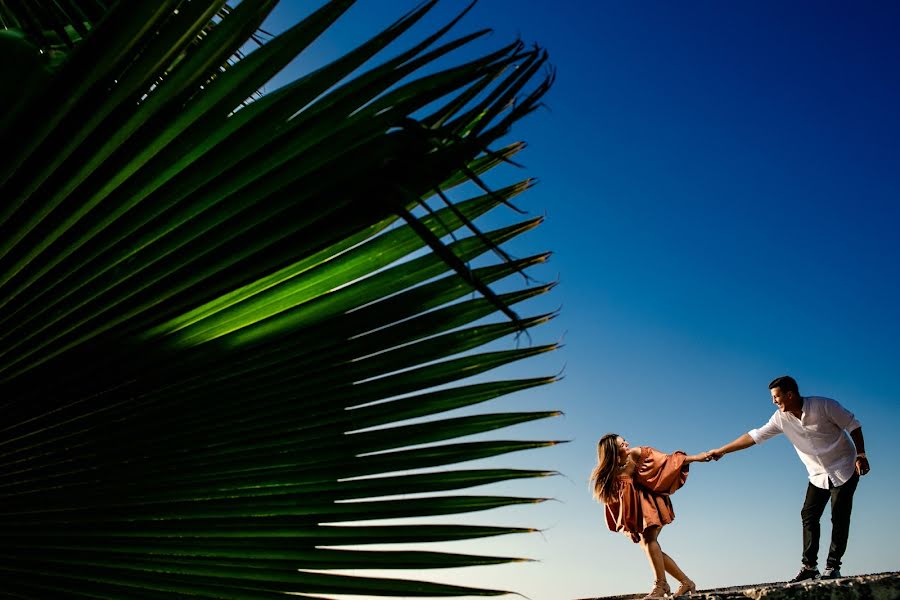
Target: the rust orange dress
pixel 642 498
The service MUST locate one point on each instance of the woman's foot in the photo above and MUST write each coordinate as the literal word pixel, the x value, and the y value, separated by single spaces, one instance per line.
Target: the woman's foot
pixel 687 587
pixel 660 590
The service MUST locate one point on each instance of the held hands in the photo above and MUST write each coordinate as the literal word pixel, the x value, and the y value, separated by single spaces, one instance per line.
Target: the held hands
pixel 706 456
pixel 702 457
pixel 862 463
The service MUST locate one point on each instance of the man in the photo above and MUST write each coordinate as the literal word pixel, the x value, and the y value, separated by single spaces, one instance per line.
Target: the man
pixel 817 427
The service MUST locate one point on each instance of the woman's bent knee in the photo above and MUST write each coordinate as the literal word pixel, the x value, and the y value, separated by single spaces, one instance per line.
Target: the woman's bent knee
pixel 650 534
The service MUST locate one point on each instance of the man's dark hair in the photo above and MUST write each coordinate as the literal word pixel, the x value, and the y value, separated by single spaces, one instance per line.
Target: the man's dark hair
pixel 786 383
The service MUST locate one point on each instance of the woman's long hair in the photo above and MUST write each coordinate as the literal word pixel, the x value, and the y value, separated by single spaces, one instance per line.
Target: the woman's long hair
pixel 603 477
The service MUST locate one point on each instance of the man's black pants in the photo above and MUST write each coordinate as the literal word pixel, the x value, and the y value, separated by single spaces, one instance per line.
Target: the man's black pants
pixel 841 504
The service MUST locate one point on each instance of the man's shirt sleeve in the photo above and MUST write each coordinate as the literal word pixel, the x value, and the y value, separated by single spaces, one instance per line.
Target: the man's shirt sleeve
pixel 769 430
pixel 840 416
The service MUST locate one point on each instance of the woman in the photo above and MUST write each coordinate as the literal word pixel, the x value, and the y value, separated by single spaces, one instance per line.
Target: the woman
pixel 635 484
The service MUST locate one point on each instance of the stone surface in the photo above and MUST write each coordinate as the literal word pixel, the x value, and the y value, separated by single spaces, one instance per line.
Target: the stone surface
pixel 878 586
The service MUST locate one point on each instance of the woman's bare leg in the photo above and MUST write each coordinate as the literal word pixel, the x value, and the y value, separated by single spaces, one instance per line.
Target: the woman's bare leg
pixel 687 586
pixel 673 569
pixel 654 554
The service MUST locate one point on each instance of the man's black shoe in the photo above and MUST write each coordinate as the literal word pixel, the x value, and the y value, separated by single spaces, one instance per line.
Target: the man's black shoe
pixel 805 574
pixel 831 573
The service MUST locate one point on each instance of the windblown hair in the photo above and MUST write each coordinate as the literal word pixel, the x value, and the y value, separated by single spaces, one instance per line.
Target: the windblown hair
pixel 785 383
pixel 603 477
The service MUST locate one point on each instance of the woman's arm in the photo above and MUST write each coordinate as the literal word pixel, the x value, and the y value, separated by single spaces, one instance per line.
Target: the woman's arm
pixel 702 457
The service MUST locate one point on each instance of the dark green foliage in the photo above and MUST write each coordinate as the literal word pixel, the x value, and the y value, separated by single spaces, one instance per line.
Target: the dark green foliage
pixel 217 315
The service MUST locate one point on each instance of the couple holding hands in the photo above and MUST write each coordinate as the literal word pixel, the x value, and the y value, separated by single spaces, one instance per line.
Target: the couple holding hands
pixel 634 483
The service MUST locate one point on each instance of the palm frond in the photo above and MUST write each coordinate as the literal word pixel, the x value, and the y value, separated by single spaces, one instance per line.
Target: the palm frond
pixel 235 327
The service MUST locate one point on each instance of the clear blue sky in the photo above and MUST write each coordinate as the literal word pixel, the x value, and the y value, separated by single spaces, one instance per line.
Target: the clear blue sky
pixel 721 186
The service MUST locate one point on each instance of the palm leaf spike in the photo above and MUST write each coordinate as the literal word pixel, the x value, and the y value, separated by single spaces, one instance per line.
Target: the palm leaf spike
pixel 441 116
pixel 472 176
pixel 501 97
pixel 533 62
pixel 483 163
pixel 504 96
pixel 470 224
pixel 524 107
pixel 439 248
pixel 474 229
pixel 519 110
pixel 498 99
pixel 259 37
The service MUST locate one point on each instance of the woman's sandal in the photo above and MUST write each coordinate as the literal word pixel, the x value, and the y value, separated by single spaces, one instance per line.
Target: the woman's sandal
pixel 687 587
pixel 660 590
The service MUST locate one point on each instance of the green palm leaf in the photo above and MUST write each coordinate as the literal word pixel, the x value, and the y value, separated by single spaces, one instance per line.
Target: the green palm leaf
pixel 235 327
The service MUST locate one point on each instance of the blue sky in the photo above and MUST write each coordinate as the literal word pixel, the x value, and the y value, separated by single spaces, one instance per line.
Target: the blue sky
pixel 721 185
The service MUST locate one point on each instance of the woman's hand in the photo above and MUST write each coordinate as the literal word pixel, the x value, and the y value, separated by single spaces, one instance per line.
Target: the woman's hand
pixel 702 457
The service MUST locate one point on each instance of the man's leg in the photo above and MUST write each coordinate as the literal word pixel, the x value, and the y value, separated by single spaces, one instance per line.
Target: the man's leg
pixel 813 507
pixel 841 505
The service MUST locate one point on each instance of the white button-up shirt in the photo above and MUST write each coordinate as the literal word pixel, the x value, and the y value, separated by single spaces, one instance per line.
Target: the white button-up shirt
pixel 820 438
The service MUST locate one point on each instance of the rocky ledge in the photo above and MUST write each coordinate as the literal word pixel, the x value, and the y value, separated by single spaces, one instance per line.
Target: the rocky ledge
pixel 878 586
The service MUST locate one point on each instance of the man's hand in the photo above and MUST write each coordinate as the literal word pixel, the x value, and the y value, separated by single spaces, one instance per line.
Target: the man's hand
pixel 745 441
pixel 862 463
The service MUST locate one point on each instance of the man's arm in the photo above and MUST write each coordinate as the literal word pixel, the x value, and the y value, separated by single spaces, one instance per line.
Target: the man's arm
pixel 745 441
pixel 862 462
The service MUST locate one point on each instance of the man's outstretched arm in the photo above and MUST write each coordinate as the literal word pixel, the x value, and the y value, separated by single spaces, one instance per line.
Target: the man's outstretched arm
pixel 862 462
pixel 745 441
